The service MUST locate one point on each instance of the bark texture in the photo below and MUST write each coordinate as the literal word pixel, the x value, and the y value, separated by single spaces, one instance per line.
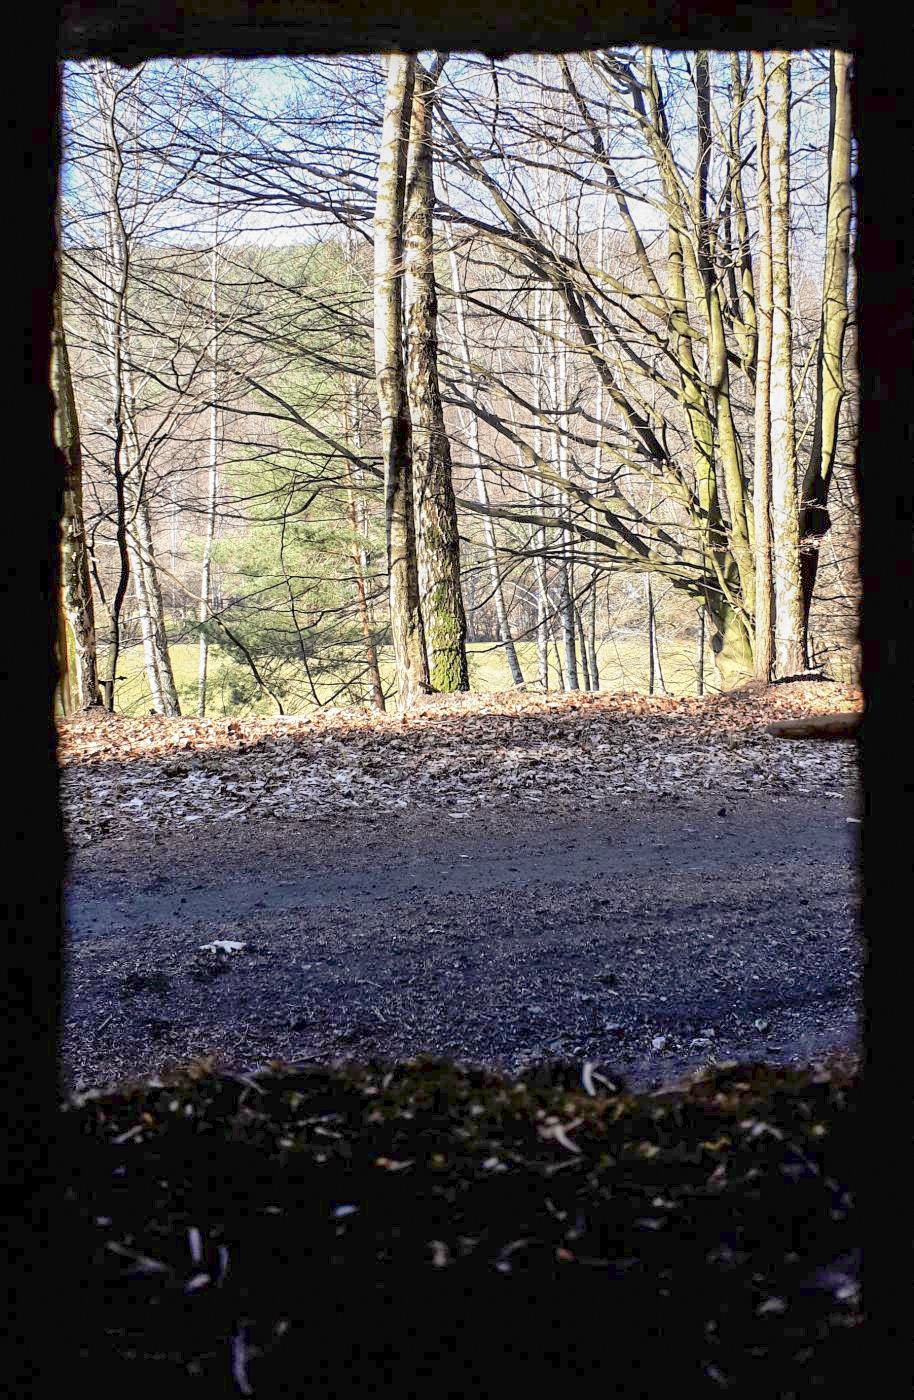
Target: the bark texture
pixel 75 584
pixel 815 521
pixel 788 604
pixel 764 601
pixel 358 552
pixel 471 427
pixel 437 539
pixel 133 511
pixel 405 617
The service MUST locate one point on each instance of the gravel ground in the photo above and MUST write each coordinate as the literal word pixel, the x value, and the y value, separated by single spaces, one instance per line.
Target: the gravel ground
pixel 652 934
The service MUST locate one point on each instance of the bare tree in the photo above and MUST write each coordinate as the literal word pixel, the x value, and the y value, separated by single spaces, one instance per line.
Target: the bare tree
pixel 405 617
pixel 788 599
pixel 437 541
pixel 116 330
pixel 471 427
pixel 605 366
pixel 830 386
pixel 77 609
pixel 764 598
pixel 212 475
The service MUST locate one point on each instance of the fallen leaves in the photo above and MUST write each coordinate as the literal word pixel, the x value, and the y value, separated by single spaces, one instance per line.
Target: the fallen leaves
pixel 455 754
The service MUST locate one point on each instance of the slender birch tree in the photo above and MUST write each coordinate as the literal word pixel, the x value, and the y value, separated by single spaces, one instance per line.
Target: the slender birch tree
pixel 764 598
pixel 471 426
pixel 353 434
pixel 117 331
pixel 788 598
pixel 213 444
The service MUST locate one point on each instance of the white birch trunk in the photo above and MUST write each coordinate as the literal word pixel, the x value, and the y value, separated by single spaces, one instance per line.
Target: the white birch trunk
pixel 542 601
pixel 788 600
pixel 764 598
pixel 212 474
pixel 116 333
pixel 470 425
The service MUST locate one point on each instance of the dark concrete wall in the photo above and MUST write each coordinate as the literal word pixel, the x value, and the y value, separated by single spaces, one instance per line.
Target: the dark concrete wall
pixel 132 30
pixel 29 838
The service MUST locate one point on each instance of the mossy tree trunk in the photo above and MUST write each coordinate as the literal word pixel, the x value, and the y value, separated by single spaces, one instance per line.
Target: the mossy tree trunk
pixel 77 610
pixel 437 541
pixel 731 642
pixel 830 388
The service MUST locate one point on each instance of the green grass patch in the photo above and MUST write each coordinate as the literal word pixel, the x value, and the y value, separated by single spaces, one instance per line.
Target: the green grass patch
pixel 622 660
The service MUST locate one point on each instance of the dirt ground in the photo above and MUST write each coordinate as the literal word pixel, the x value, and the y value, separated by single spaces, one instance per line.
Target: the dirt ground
pixel 651 926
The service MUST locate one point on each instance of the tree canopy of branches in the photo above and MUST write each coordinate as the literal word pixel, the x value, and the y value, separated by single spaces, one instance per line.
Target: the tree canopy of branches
pixel 371 354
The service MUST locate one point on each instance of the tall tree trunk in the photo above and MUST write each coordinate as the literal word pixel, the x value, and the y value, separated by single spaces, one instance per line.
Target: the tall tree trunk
pixel 212 473
pixel 814 518
pixel 730 456
pixel 582 647
pixel 592 657
pixel 788 601
pixel 129 483
pixel 654 672
pixel 150 598
pixel 542 624
pixel 352 432
pixel 731 647
pixel 63 694
pixel 138 577
pixel 649 599
pixel 558 657
pixel 113 295
pixel 77 610
pixel 437 541
pixel 212 491
pixel 482 492
pixel 405 618
pixel 557 375
pixel 106 683
pixel 566 617
pixel 147 587
pixel 599 409
pixel 358 576
pixel 743 297
pixel 731 643
pixel 540 538
pixel 764 598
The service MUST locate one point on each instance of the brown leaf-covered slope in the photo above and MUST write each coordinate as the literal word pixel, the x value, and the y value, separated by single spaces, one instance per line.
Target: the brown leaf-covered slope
pixel 456 754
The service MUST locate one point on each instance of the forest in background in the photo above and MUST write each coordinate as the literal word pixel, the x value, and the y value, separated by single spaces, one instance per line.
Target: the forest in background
pixel 379 376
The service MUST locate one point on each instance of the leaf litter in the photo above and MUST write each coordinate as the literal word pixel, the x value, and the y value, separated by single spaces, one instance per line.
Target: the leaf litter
pixel 453 754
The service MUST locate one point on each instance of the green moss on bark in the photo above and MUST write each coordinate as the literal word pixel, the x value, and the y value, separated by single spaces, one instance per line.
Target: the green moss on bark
pixel 445 641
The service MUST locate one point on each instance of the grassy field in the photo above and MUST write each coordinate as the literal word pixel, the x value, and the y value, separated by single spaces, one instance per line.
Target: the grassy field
pixel 622 660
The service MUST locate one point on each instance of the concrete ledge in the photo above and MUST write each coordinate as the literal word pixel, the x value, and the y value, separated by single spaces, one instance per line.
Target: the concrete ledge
pixel 841 726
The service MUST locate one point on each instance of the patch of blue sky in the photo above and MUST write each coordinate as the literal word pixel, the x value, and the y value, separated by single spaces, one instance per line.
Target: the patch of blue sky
pixel 327 112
